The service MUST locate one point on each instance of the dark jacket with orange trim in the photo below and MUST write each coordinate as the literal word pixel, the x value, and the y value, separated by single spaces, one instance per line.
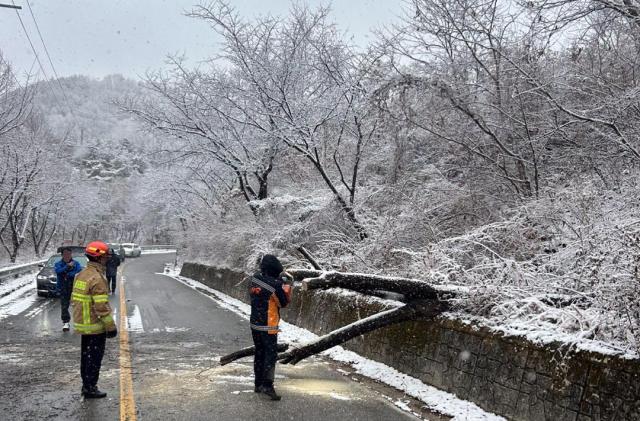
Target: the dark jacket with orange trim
pixel 267 295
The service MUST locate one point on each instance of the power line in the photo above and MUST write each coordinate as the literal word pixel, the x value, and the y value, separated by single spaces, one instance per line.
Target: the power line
pixel 53 68
pixel 11 72
pixel 26 33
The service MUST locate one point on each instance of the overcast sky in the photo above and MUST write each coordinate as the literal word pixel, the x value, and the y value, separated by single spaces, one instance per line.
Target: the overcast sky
pixel 101 37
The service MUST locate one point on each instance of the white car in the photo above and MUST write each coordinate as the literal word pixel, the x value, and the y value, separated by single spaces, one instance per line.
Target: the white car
pixel 131 250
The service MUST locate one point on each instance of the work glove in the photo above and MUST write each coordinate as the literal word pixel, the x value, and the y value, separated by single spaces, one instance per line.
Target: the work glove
pixel 112 333
pixel 286 278
pixel 287 291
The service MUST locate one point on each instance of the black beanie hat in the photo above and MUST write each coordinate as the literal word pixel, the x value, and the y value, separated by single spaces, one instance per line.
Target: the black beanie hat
pixel 271 266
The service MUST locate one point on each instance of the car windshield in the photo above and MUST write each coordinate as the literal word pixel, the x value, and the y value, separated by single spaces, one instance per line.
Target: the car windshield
pixel 128 245
pixel 55 259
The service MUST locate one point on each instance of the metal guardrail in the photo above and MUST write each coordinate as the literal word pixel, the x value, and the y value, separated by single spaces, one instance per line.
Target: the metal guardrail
pixel 159 247
pixel 15 271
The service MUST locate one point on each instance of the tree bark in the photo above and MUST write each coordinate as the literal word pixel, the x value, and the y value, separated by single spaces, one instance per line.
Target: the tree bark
pixel 410 288
pixel 300 275
pixel 304 252
pixel 246 352
pixel 416 310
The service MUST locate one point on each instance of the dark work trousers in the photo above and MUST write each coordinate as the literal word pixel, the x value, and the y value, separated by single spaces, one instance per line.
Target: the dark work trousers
pixel 111 280
pixel 92 347
pixel 264 361
pixel 66 287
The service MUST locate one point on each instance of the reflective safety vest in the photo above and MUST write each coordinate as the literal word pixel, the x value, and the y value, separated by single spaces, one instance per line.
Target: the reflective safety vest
pixel 90 300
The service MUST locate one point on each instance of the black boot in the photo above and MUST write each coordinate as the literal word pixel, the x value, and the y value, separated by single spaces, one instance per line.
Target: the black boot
pixel 93 393
pixel 270 392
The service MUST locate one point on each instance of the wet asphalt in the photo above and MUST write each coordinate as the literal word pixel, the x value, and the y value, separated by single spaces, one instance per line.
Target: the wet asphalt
pixel 176 336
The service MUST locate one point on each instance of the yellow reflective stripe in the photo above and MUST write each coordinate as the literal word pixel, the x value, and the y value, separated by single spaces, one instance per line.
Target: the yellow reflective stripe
pixel 88 327
pixel 102 298
pixel 80 285
pixel 108 319
pixel 86 312
pixel 81 297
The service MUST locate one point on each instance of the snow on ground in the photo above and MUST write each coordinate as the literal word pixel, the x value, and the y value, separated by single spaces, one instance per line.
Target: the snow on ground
pixel 433 398
pixel 134 322
pixel 11 285
pixel 15 308
pixel 170 329
pixel 176 329
pixel 17 295
pixel 39 309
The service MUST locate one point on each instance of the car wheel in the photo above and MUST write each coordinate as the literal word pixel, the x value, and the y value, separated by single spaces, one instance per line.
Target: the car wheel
pixel 43 294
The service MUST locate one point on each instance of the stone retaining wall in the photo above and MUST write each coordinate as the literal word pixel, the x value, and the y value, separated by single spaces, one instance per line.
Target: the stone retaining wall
pixel 509 376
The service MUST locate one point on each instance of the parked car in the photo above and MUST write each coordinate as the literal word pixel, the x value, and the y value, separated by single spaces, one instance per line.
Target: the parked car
pixel 75 250
pixel 131 250
pixel 46 279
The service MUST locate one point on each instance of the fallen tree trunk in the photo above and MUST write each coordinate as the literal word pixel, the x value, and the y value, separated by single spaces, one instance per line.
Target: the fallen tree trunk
pixel 423 303
pixel 300 275
pixel 246 352
pixel 410 288
pixel 386 295
pixel 416 310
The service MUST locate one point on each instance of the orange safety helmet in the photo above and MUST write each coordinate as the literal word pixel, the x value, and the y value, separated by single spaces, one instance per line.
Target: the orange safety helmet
pixel 97 249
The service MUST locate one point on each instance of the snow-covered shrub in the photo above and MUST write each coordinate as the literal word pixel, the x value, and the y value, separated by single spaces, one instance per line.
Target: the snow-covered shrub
pixel 566 263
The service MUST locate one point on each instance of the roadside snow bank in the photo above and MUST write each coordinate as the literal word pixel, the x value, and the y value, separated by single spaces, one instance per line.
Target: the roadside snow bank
pixel 17 295
pixel 12 285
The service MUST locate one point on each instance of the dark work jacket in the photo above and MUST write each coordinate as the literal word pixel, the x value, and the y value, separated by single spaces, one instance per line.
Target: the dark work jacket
pixel 267 297
pixel 112 265
pixel 65 274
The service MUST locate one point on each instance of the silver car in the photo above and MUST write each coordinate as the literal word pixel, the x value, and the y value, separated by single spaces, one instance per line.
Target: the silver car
pixel 131 250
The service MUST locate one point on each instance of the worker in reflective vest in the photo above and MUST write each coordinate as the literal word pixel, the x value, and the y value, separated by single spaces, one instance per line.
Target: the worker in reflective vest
pixel 268 294
pixel 92 316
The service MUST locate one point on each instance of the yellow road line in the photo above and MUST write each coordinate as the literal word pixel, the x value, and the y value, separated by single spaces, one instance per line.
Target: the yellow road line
pixel 127 401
